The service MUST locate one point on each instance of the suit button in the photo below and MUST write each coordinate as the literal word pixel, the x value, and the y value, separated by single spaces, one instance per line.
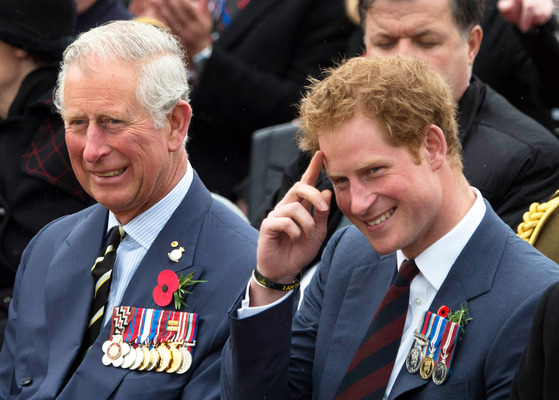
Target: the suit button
pixel 26 381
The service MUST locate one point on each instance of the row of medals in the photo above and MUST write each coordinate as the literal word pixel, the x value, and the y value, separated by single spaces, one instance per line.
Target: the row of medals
pixel 426 366
pixel 172 357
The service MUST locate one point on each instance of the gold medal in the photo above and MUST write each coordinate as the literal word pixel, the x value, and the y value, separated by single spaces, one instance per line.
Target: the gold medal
pixel 153 359
pixel 146 358
pixel 426 367
pixel 164 358
pixel 176 360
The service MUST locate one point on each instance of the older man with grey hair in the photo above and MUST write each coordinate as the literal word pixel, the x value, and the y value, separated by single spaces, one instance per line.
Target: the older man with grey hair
pixel 147 317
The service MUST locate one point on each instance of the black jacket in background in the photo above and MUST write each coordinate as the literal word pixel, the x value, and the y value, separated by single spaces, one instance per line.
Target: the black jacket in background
pixel 37 184
pixel 523 67
pixel 254 78
pixel 536 376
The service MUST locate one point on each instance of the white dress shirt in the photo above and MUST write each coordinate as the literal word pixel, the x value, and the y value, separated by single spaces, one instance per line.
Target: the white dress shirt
pixel 140 234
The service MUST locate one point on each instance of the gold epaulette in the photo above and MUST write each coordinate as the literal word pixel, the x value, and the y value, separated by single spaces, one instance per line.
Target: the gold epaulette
pixel 535 218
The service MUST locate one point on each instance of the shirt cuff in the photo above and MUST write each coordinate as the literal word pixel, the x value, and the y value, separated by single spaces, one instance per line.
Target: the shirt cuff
pixel 246 311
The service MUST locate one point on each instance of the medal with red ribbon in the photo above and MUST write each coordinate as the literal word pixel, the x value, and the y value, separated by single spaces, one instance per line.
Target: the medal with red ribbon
pixel 435 342
pixel 417 352
pixel 446 353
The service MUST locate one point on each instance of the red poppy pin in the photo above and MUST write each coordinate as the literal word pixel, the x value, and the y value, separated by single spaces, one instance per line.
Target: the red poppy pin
pixel 170 286
pixel 443 311
pixel 461 316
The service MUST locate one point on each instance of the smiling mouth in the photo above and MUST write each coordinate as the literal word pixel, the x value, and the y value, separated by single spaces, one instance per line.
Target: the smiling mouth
pixel 115 172
pixel 382 218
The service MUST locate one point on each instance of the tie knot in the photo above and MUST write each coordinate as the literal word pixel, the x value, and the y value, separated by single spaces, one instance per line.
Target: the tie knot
pixel 116 234
pixel 408 271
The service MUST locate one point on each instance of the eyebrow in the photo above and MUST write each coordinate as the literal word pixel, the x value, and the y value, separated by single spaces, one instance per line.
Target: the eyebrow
pixel 365 165
pixel 383 35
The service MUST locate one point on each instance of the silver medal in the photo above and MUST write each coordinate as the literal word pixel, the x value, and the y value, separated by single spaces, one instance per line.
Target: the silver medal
pixel 413 360
pixel 129 358
pixel 440 373
pixel 186 360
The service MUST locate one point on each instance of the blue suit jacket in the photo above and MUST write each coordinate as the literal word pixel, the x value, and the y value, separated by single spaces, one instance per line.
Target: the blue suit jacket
pixel 498 275
pixel 53 294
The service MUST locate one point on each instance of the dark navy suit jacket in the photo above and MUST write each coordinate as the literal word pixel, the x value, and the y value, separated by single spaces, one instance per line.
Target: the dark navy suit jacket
pixel 53 292
pixel 499 276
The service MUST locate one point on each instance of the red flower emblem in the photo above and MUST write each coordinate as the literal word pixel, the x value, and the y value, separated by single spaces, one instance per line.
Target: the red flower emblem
pixel 167 285
pixel 443 311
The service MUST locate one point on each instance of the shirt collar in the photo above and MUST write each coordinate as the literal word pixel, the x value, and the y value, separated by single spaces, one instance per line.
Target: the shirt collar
pixel 146 226
pixel 436 261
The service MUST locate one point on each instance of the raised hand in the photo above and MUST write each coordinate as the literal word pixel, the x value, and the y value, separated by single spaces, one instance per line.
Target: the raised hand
pixel 292 233
pixel 190 20
pixel 526 13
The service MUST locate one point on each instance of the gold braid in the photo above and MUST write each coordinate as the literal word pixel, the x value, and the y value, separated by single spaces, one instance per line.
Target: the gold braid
pixel 535 217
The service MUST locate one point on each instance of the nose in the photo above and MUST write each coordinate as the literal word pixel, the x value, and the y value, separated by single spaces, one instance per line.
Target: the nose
pixel 405 48
pixel 95 144
pixel 362 199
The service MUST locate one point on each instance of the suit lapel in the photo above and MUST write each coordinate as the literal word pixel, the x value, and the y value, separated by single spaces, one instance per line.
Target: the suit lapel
pixel 183 227
pixel 354 317
pixel 69 289
pixel 254 11
pixel 471 276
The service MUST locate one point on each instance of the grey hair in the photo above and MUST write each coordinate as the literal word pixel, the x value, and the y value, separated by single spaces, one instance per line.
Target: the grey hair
pixel 155 54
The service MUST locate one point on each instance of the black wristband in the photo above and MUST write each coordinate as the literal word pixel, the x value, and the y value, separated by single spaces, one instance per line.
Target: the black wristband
pixel 265 282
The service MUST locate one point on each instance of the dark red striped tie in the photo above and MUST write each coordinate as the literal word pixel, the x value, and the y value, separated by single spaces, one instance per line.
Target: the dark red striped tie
pixel 368 373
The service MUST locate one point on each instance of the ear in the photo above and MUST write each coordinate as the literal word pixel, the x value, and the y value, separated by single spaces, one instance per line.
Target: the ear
pixel 474 42
pixel 20 53
pixel 434 145
pixel 179 120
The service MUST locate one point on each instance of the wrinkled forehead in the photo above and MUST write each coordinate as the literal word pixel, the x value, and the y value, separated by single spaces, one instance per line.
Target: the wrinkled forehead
pixel 409 17
pixel 103 90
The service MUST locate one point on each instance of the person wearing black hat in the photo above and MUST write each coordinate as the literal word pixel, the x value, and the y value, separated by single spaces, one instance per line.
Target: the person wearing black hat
pixel 92 13
pixel 37 184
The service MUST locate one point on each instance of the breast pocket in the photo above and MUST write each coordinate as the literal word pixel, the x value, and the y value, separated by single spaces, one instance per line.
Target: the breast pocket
pixel 150 385
pixel 454 391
